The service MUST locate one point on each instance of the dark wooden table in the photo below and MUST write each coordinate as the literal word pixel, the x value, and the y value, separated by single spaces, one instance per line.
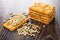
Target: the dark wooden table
pixel 50 32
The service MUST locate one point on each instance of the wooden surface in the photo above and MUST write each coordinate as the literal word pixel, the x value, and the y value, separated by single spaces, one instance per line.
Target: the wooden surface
pixel 50 32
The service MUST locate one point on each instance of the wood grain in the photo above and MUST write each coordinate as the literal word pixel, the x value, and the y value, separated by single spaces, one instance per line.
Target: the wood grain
pixel 50 32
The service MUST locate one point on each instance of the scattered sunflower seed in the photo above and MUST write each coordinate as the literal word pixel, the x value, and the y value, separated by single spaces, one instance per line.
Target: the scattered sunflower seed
pixel 4 21
pixel 43 25
pixel 27 29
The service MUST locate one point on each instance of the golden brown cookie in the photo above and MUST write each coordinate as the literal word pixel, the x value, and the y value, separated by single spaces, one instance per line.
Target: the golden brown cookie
pixel 15 22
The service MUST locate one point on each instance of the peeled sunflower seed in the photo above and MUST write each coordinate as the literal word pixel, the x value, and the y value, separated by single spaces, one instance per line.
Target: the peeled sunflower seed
pixel 43 25
pixel 38 32
pixel 4 21
pixel 33 34
pixel 26 30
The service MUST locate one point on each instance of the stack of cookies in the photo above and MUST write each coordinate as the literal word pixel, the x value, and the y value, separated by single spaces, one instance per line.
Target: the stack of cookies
pixel 41 12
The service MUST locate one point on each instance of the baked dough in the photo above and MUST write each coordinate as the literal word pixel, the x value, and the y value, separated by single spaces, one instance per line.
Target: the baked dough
pixel 15 22
pixel 41 12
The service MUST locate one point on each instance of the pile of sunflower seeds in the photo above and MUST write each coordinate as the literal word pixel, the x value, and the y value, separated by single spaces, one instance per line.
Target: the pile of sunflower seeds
pixel 28 29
